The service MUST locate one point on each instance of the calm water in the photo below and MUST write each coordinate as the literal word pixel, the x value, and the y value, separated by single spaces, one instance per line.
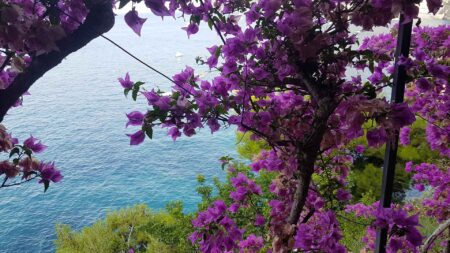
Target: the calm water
pixel 78 110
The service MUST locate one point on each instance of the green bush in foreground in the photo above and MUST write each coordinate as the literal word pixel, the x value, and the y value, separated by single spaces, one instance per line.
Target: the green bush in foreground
pixel 138 228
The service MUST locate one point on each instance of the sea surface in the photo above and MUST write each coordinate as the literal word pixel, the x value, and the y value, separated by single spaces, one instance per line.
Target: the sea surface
pixel 78 110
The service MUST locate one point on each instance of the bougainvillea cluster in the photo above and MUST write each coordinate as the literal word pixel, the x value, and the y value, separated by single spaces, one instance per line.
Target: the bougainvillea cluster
pixel 290 72
pixel 430 175
pixel 28 29
pixel 22 166
pixel 295 75
pixel 402 227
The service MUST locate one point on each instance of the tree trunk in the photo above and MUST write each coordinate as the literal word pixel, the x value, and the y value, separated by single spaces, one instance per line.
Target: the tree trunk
pixel 99 20
pixel 301 192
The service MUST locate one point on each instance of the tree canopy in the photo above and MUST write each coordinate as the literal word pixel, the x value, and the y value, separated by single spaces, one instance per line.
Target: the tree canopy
pixel 293 73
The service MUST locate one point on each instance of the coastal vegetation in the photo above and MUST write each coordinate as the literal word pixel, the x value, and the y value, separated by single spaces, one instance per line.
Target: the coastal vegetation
pixel 145 230
pixel 305 92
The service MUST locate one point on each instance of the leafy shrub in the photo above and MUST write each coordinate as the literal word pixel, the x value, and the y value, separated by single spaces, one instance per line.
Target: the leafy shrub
pixel 138 228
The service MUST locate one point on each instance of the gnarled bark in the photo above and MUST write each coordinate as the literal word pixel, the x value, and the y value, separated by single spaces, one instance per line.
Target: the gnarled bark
pixel 430 240
pixel 99 20
pixel 308 155
pixel 308 152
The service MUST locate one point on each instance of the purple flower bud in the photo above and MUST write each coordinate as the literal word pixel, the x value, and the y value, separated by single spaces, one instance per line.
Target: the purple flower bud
pixel 192 28
pixel 157 7
pixel 259 220
pixel 434 5
pixel 404 136
pixel 343 195
pixel 423 84
pixel 126 83
pixel 152 97
pixel 34 144
pixel 359 148
pixel 134 21
pixel 49 173
pixel 213 125
pixel 376 137
pixel 136 138
pixel 234 207
pixel 402 115
pixel 135 118
pixel 174 133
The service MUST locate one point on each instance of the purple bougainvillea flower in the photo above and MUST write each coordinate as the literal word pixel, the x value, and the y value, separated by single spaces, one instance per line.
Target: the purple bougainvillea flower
pixel 157 7
pixel 34 144
pixel 360 148
pixel 49 173
pixel 376 137
pixel 423 84
pixel 126 83
pixel 192 28
pixel 259 220
pixel 174 133
pixel 434 5
pixel 136 138
pixel 402 115
pixel 135 118
pixel 152 97
pixel 404 136
pixel 134 21
pixel 343 195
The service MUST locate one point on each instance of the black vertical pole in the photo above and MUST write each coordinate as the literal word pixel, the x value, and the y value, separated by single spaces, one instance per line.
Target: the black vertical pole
pixel 390 156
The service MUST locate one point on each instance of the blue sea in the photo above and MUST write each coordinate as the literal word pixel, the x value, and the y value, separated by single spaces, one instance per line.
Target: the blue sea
pixel 78 110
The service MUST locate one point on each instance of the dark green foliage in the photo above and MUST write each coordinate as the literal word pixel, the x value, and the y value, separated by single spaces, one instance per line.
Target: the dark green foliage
pixel 366 173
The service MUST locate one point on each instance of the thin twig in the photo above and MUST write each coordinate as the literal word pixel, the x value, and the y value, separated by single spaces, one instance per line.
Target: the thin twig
pixel 214 23
pixel 15 184
pixel 137 59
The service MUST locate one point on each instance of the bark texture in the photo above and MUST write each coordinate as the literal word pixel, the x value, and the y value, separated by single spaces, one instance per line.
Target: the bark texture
pixel 99 20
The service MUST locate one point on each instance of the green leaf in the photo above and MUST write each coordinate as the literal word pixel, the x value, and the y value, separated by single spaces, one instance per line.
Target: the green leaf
pixel 162 116
pixel 225 160
pixel 195 19
pixel 148 129
pixel 46 185
pixel 54 16
pixel 369 90
pixel 136 88
pixel 371 66
pixel 126 91
pixel 28 152
pixel 175 95
pixel 123 3
pixel 210 24
pixel 134 94
pixel 201 178
pixel 138 84
pixel 14 151
pixel 218 51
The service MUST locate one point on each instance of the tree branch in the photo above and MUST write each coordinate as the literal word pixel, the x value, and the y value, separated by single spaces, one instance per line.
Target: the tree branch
pixel 430 240
pixel 99 20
